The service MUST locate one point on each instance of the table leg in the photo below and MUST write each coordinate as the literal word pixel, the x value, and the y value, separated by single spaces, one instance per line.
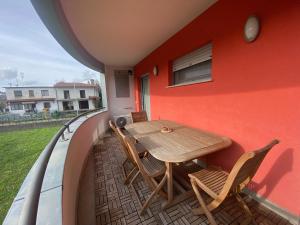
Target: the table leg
pixel 169 174
pixel 171 200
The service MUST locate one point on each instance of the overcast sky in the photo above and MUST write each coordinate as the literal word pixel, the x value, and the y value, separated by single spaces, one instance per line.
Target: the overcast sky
pixel 28 51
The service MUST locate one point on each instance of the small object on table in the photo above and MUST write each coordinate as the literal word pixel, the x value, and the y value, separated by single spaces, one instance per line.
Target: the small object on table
pixel 166 130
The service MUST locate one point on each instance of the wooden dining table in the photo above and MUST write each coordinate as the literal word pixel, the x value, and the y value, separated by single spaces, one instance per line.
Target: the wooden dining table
pixel 183 144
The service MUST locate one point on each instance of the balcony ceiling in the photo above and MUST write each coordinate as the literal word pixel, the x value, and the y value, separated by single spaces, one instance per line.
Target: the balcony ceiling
pixel 123 32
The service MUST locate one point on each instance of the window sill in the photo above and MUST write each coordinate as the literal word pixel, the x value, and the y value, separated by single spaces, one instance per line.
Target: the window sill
pixel 190 83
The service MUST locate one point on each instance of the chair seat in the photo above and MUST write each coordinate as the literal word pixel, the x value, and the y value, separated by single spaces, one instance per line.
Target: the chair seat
pixel 211 180
pixel 153 166
pixel 140 148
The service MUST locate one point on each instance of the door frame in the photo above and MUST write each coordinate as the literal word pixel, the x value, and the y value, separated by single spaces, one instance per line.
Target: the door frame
pixel 141 92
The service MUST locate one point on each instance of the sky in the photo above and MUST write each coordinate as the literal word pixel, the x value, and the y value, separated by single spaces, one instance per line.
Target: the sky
pixel 29 55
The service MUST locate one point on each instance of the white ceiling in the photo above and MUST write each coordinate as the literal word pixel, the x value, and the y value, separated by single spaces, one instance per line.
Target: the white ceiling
pixel 123 32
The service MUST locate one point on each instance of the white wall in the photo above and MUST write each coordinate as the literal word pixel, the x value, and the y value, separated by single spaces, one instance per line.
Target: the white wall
pixel 75 104
pixel 118 106
pixel 75 96
pixel 86 133
pixel 20 112
pixel 25 92
pixel 40 106
pixel 55 93
pixel 75 93
pixel 91 105
pixel 37 98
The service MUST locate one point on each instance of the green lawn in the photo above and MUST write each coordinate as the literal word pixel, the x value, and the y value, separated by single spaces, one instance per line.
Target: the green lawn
pixel 18 152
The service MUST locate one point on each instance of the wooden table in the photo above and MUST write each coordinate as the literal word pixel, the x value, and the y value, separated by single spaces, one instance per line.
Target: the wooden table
pixel 181 145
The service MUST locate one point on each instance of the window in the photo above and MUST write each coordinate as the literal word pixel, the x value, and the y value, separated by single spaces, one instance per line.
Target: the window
pixel 122 83
pixel 18 93
pixel 68 105
pixel 45 92
pixel 29 107
pixel 82 93
pixel 46 105
pixel 31 93
pixel 16 106
pixel 67 94
pixel 194 67
pixel 84 104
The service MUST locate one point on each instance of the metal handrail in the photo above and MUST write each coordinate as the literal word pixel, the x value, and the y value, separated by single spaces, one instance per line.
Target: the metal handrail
pixel 29 210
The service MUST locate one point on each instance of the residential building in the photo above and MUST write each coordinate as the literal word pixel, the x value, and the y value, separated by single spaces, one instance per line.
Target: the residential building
pixel 22 100
pixel 61 97
pixel 76 96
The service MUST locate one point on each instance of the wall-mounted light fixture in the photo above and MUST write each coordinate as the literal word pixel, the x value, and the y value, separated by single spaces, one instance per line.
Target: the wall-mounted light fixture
pixel 155 70
pixel 252 28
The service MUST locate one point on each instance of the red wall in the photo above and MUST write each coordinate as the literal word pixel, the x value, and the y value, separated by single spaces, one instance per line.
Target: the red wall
pixel 254 96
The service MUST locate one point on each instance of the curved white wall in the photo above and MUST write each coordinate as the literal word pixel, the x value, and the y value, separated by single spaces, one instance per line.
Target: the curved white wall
pixel 86 135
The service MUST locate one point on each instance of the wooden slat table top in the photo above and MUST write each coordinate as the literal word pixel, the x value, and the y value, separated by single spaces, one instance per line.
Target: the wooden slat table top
pixel 148 127
pixel 183 144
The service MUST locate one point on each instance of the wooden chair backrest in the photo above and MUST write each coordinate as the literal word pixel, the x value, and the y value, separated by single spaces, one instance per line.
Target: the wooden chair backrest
pixel 130 141
pixel 139 116
pixel 112 126
pixel 125 145
pixel 119 134
pixel 245 169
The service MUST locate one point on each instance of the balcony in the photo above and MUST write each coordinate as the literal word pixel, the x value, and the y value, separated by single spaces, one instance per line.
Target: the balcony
pixel 92 190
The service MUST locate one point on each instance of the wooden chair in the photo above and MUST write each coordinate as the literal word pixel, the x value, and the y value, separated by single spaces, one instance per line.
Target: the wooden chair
pixel 129 159
pixel 218 184
pixel 139 116
pixel 150 168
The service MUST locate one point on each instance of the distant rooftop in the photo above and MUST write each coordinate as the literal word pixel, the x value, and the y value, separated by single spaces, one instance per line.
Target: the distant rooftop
pixel 73 84
pixel 61 85
pixel 43 86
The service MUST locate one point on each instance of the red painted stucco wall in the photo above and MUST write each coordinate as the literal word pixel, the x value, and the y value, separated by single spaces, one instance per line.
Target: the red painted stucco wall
pixel 255 93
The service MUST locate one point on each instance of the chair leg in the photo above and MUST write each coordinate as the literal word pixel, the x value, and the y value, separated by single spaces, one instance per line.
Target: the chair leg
pixel 127 179
pixel 202 203
pixel 244 206
pixel 157 189
pixel 162 193
pixel 123 164
pixel 134 191
pixel 210 206
pixel 135 176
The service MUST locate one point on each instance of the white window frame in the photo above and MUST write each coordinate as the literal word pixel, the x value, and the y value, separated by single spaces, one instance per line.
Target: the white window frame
pixel 45 91
pixel 18 91
pixel 13 108
pixel 32 92
pixel 196 57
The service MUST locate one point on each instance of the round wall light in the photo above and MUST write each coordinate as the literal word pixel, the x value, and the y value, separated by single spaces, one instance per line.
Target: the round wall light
pixel 155 70
pixel 252 28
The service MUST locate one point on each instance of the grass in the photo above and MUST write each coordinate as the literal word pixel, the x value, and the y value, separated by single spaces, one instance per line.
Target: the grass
pixel 18 152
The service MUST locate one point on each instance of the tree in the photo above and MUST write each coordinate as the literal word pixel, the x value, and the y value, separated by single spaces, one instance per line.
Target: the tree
pixel 2 106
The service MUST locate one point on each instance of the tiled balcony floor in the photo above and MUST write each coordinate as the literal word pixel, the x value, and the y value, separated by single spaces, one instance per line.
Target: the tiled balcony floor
pixel 117 204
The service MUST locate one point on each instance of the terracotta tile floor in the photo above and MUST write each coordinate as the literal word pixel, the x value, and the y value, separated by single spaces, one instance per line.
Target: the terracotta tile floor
pixel 117 204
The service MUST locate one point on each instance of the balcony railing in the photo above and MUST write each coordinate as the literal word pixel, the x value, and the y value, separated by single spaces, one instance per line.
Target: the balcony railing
pixel 40 199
